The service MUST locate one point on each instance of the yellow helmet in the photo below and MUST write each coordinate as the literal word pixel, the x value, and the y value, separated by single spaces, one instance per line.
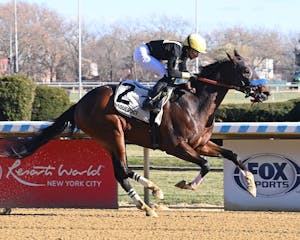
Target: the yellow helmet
pixel 196 42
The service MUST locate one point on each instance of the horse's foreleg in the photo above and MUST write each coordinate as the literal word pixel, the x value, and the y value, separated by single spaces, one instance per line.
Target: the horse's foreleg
pixel 214 150
pixel 251 187
pixel 156 191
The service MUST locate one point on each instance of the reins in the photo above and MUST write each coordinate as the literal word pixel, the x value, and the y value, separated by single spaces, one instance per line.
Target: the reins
pixel 213 82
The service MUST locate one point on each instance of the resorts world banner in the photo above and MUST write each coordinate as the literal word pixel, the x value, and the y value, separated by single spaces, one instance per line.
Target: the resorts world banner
pixel 62 173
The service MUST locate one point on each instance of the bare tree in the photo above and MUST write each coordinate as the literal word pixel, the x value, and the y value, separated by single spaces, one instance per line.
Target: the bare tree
pixel 40 32
pixel 48 44
pixel 115 48
pixel 255 45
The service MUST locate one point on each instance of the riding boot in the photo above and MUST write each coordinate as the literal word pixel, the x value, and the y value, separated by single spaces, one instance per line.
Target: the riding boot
pixel 154 96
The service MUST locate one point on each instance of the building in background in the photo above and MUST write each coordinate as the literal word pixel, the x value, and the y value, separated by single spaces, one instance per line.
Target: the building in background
pixel 297 56
pixel 89 70
pixel 4 64
pixel 265 69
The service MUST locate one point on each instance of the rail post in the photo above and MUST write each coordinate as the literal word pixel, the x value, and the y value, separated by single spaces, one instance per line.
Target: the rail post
pixel 146 174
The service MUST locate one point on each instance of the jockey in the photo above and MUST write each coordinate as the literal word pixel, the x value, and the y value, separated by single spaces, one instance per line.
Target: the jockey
pixel 150 56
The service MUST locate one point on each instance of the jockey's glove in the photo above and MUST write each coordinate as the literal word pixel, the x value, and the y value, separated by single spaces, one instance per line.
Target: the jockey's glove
pixel 193 77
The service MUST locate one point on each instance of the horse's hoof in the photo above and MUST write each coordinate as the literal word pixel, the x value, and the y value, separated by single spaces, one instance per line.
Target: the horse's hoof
pixel 251 187
pixel 151 213
pixel 184 185
pixel 180 184
pixel 5 211
pixel 158 194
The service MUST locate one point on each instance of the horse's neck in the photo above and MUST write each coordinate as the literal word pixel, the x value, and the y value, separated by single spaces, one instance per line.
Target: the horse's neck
pixel 214 71
pixel 200 105
pixel 220 97
pixel 210 95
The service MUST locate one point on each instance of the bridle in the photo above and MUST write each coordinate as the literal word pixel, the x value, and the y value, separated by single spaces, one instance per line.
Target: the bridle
pixel 245 71
pixel 247 75
pixel 254 91
pixel 216 83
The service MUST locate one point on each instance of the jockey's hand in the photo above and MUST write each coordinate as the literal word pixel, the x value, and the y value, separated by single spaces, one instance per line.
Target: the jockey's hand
pixel 193 77
pixel 189 87
pixel 200 70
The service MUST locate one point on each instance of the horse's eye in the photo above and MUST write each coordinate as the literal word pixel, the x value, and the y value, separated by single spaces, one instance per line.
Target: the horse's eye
pixel 247 73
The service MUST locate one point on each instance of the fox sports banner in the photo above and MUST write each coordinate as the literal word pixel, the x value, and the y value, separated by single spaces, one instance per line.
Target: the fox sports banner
pixel 275 165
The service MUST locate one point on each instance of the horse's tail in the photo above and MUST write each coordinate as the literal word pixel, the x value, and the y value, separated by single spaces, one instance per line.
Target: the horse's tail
pixel 20 148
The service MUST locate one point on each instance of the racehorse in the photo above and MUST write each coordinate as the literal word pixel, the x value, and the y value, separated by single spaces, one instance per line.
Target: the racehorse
pixel 185 130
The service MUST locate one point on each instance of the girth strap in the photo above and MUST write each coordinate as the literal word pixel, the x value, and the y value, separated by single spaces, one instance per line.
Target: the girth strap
pixel 154 131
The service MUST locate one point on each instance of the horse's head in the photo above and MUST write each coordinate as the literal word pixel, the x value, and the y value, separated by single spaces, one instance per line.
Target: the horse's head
pixel 234 73
pixel 246 79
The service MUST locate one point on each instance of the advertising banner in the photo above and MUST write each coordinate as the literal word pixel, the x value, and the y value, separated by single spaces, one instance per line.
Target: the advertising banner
pixel 62 173
pixel 275 165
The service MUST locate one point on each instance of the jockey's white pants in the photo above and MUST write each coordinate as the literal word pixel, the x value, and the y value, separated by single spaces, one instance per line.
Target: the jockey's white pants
pixel 143 58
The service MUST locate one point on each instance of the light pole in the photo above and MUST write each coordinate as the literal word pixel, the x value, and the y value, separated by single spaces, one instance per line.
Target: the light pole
pixel 16 62
pixel 196 31
pixel 11 61
pixel 196 16
pixel 79 52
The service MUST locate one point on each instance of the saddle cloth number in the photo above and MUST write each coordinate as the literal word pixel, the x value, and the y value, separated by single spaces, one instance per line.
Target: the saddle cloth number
pixel 121 97
pixel 129 99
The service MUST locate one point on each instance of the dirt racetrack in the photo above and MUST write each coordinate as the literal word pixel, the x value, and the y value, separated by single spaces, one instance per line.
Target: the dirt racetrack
pixel 128 223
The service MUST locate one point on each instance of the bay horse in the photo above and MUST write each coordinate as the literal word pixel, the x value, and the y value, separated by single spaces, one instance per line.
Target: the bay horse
pixel 185 130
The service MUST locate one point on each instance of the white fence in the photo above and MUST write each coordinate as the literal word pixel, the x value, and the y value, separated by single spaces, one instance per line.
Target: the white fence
pixel 90 85
pixel 279 92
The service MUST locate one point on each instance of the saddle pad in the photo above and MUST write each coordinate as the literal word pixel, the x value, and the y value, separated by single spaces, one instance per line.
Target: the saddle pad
pixel 129 99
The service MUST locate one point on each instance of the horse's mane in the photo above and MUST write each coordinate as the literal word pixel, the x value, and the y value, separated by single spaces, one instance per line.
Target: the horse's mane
pixel 208 69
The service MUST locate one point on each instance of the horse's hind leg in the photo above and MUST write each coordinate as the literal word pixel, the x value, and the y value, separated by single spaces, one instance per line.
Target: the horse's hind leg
pixel 212 149
pixel 118 153
pixel 108 130
pixel 156 191
pixel 121 174
pixel 185 152
pixel 5 211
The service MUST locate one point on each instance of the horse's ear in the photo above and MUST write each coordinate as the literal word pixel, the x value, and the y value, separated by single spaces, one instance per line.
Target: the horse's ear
pixel 236 54
pixel 230 57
